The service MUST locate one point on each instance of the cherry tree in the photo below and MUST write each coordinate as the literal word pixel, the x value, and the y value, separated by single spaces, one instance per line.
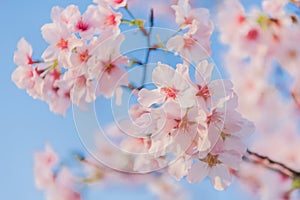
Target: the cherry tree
pixel 186 121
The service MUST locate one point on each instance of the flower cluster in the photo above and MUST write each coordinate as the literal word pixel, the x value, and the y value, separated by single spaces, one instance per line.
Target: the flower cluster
pixel 193 45
pixel 59 183
pixel 56 185
pixel 73 64
pixel 268 34
pixel 189 116
pixel 84 52
pixel 263 65
pixel 198 123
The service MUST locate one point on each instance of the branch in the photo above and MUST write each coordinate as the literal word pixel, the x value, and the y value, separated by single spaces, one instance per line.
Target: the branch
pixel 271 164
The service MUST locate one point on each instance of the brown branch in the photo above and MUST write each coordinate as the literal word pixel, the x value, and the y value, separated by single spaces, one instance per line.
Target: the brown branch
pixel 271 164
pixel 296 100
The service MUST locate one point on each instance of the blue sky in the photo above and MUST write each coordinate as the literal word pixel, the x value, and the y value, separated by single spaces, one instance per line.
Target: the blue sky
pixel 27 124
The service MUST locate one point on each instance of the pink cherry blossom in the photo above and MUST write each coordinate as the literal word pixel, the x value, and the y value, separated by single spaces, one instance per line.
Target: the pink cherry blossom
pixel 113 3
pixel 61 43
pixel 171 86
pixel 289 53
pixel 188 130
pixel 44 162
pixel 56 94
pixel 68 15
pixel 189 124
pixel 226 151
pixel 106 66
pixel 186 16
pixel 83 90
pixel 234 10
pixel 210 166
pixel 28 78
pixel 208 91
pixel 180 167
pixel 109 20
pixel 23 56
pixel 55 186
pixel 61 189
pixel 192 47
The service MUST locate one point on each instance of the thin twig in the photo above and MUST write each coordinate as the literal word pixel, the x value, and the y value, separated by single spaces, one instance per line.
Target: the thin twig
pixel 129 12
pixel 130 87
pixel 149 49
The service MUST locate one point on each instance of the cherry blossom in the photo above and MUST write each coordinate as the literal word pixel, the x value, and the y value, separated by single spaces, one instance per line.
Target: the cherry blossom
pixel 56 94
pixel 87 23
pixel 55 186
pixel 188 123
pixel 62 75
pixel 218 173
pixel 44 161
pixel 210 133
pixel 61 190
pixel 106 66
pixel 193 45
pixel 28 78
pixel 61 43
pixel 186 16
pixel 264 32
pixel 171 86
pixel 23 57
pixel 68 15
pixel 188 44
pixel 113 3
pixel 109 19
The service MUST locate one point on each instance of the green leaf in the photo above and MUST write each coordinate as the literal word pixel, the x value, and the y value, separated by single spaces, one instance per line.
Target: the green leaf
pixel 296 183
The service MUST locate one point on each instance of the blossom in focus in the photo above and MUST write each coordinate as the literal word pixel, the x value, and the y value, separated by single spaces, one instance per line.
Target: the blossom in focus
pixel 206 136
pixel 109 20
pixel 61 43
pixel 106 65
pixel 171 86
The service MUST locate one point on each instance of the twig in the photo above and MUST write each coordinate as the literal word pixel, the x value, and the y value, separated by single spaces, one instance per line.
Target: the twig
pixel 130 87
pixel 129 12
pixel 149 49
